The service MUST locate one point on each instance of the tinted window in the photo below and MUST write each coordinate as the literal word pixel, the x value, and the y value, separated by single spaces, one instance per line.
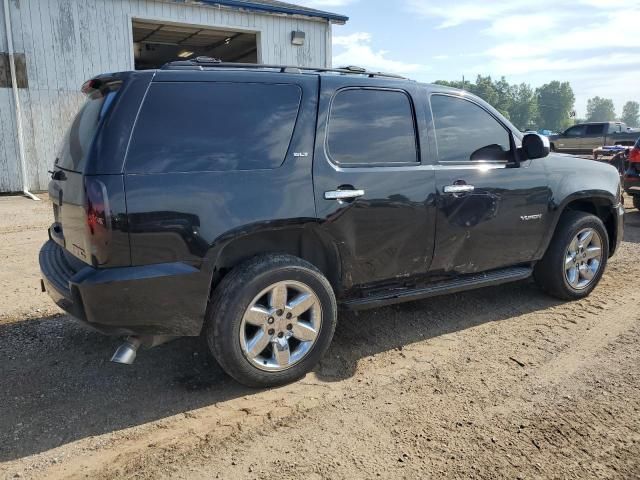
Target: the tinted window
pixel 595 129
pixel 191 127
pixel 575 131
pixel 371 126
pixel 84 127
pixel 464 131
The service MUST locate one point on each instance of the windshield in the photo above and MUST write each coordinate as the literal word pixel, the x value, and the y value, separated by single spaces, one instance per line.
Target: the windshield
pixel 83 129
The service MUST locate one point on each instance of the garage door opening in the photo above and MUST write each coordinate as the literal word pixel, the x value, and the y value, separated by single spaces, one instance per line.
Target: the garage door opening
pixel 156 43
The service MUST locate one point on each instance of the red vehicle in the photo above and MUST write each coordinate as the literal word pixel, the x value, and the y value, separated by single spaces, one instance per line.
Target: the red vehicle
pixel 632 175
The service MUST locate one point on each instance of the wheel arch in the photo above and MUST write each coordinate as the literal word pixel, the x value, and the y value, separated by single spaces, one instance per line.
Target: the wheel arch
pixel 598 204
pixel 303 240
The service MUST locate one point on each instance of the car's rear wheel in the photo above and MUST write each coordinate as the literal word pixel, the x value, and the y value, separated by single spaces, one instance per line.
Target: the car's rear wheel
pixel 576 258
pixel 636 201
pixel 271 320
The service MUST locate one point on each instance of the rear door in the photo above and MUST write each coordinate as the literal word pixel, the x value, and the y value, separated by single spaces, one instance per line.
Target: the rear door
pixel 491 212
pixel 374 196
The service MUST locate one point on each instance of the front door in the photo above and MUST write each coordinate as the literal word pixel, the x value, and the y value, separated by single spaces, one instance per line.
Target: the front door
pixel 492 213
pixel 375 198
pixel 571 139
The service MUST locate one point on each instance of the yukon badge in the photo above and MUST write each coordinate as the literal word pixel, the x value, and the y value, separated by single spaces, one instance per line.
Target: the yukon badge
pixel 526 218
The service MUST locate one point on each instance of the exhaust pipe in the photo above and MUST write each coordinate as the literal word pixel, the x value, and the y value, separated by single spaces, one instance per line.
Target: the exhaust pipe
pixel 126 353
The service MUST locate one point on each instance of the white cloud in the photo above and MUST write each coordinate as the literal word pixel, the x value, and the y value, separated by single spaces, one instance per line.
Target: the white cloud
pixel 516 26
pixel 593 43
pixel 465 11
pixel 356 50
pixel 515 66
pixel 452 15
pixel 561 48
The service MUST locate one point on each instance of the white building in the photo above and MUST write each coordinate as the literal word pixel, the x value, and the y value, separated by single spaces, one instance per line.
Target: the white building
pixel 51 47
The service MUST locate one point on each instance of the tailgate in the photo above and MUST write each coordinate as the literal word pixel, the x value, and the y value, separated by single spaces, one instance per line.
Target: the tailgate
pixel 88 207
pixel 69 229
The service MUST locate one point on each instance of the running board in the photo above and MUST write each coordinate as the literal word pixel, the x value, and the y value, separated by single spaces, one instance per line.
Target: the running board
pixel 468 282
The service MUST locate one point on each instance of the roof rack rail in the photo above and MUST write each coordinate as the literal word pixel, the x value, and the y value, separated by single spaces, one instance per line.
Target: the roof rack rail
pixel 207 62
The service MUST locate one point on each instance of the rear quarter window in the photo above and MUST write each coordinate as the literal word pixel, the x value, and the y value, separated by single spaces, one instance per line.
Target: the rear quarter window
pixel 83 129
pixel 213 126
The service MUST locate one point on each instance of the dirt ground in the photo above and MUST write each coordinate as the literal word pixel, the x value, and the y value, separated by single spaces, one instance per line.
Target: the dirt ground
pixel 503 382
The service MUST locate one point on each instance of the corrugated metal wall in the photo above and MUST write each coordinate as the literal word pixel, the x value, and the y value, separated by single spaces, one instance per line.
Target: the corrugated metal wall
pixel 69 41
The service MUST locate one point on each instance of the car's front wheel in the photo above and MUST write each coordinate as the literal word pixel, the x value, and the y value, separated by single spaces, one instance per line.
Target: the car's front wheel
pixel 576 258
pixel 271 320
pixel 636 201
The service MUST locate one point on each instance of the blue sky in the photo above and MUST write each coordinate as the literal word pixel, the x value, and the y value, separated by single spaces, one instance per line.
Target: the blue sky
pixel 594 44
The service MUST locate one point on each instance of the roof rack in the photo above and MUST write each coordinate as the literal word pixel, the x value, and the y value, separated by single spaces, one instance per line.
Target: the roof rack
pixel 207 62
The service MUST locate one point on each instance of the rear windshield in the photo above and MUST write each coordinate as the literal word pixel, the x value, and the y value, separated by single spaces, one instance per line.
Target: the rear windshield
pixel 80 134
pixel 213 126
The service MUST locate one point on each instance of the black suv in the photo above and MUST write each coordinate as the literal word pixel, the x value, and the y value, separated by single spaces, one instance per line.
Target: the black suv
pixel 247 203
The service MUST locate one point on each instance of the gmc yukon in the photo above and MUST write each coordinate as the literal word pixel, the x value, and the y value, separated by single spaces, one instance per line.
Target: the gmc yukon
pixel 247 203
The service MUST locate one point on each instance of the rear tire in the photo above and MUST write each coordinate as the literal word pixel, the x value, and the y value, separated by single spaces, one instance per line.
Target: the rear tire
pixel 636 201
pixel 271 320
pixel 572 266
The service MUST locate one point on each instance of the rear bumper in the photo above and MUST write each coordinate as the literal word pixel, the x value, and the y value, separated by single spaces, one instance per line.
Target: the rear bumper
pixel 163 299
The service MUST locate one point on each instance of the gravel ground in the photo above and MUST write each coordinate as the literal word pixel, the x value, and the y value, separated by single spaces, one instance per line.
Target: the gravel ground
pixel 500 382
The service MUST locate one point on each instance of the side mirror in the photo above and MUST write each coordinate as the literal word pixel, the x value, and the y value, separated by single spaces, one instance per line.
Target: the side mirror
pixel 535 146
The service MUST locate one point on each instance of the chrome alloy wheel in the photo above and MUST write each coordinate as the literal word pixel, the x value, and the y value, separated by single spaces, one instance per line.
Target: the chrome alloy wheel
pixel 583 258
pixel 280 326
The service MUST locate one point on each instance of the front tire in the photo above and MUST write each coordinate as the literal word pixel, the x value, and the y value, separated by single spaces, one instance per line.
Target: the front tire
pixel 271 320
pixel 636 201
pixel 576 258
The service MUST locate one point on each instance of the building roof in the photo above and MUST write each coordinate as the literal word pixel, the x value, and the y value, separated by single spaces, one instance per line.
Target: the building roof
pixel 275 6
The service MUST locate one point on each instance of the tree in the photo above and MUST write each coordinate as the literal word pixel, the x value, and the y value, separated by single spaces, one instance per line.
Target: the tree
pixel 600 110
pixel 555 101
pixel 485 89
pixel 524 106
pixel 451 83
pixel 630 114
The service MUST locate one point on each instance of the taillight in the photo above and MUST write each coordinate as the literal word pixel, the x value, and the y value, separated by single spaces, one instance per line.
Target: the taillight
pixel 98 217
pixel 634 155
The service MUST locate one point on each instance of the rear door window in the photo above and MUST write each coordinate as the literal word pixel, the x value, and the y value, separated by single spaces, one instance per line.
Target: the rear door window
pixel 597 129
pixel 213 126
pixel 369 126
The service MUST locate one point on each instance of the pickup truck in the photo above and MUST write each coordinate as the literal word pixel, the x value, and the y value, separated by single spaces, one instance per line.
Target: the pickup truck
pixel 584 137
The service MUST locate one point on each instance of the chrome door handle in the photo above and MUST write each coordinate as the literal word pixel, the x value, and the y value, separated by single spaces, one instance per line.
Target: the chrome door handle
pixel 459 189
pixel 343 194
